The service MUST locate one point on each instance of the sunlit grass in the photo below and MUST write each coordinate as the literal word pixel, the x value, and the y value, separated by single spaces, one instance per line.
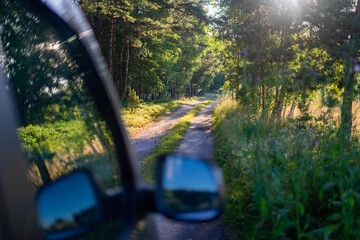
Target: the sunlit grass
pixel 149 112
pixel 318 110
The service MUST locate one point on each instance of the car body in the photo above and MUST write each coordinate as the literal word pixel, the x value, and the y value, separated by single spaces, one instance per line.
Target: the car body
pixel 60 114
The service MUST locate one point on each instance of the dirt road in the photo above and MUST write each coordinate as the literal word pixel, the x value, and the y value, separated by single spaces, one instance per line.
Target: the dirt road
pixel 198 142
pixel 146 140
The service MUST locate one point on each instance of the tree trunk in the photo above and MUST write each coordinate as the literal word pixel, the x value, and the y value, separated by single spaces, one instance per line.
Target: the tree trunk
pixel 99 28
pixel 280 104
pixel 346 110
pixel 40 163
pixel 292 109
pixel 263 99
pixel 348 95
pixel 111 45
pixel 126 72
pixel 189 93
pixel 120 85
pixel 173 92
pixel 280 90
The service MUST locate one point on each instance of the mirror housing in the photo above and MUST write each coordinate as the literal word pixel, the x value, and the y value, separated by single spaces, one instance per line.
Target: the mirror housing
pixel 69 206
pixel 188 189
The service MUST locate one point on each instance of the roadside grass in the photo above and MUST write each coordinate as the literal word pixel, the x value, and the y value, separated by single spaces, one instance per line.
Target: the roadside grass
pixel 171 141
pixel 148 112
pixel 294 180
pixel 317 109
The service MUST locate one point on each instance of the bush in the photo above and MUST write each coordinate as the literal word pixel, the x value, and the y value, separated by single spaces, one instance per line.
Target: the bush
pixel 133 100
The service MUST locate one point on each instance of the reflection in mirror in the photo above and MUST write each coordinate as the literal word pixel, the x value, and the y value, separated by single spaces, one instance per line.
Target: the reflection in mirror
pixel 48 73
pixel 188 189
pixel 68 206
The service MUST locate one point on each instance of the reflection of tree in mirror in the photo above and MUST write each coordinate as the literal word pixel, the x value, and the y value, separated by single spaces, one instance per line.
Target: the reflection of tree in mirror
pixel 188 201
pixel 61 129
pixel 86 217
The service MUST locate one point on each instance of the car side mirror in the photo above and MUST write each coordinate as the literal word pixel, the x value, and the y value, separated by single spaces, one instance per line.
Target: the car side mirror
pixel 69 206
pixel 188 189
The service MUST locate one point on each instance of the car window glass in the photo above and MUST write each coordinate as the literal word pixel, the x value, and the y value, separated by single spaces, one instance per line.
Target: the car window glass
pixel 61 129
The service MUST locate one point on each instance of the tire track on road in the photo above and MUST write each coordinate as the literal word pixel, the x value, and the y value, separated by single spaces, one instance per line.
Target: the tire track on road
pixel 146 140
pixel 199 143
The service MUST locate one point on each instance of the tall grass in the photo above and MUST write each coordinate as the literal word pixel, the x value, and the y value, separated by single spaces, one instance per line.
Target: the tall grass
pixel 293 180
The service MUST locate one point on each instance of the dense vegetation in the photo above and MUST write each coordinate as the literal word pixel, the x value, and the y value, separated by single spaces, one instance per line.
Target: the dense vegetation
pixel 290 180
pixel 287 135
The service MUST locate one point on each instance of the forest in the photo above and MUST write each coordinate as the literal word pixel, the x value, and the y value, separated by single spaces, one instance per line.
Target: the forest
pixel 287 123
pixel 157 48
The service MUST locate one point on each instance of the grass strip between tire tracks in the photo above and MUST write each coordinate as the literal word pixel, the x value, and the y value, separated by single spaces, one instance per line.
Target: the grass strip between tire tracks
pixel 171 141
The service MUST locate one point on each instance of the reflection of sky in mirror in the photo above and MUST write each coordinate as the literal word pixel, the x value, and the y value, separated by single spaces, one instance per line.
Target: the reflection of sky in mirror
pixel 187 174
pixel 64 199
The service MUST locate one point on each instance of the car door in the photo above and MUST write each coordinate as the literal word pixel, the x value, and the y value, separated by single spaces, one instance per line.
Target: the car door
pixel 68 115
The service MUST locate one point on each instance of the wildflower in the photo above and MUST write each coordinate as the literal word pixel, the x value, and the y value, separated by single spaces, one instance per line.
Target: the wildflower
pixel 243 53
pixel 314 142
pixel 287 72
pixel 249 75
pixel 357 68
pixel 272 141
pixel 356 61
pixel 311 71
pixel 257 80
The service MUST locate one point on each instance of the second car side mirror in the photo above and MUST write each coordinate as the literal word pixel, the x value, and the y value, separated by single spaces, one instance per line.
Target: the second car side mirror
pixel 69 206
pixel 188 189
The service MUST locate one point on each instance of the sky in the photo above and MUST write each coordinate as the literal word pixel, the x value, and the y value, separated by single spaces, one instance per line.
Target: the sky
pixel 211 10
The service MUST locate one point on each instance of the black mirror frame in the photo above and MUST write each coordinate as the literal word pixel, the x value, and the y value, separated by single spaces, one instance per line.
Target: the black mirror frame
pixel 81 230
pixel 189 217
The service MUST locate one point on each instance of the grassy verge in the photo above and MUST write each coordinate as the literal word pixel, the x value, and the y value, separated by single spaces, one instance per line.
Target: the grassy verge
pixel 171 141
pixel 148 112
pixel 295 180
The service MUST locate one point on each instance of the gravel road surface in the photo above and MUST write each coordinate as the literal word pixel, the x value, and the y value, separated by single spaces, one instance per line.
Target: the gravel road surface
pixel 198 142
pixel 145 140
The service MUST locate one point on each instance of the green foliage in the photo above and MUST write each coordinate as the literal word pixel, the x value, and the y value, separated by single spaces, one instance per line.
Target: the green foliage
pixel 154 46
pixel 58 138
pixel 133 100
pixel 288 181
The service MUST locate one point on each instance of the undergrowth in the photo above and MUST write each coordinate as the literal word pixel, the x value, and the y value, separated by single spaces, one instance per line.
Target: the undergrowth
pixel 171 141
pixel 292 180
